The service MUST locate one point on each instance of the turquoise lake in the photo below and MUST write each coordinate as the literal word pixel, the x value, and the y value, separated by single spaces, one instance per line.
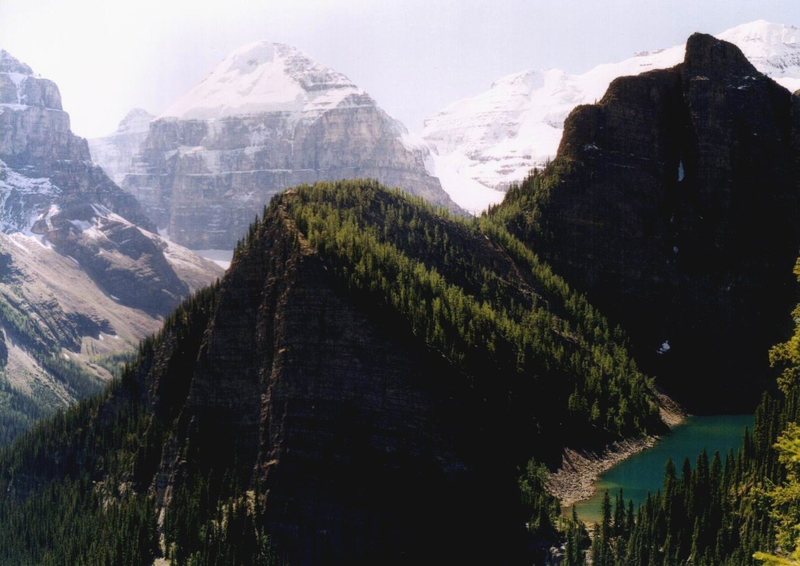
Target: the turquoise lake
pixel 644 472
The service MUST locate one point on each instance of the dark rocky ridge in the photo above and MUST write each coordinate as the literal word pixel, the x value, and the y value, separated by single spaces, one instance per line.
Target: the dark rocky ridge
pixel 328 407
pixel 121 259
pixel 673 203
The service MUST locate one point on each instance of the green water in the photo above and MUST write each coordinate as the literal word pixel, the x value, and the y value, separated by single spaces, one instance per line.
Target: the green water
pixel 644 472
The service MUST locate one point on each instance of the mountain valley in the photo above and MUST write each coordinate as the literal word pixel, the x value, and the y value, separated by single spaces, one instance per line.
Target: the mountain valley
pixel 379 377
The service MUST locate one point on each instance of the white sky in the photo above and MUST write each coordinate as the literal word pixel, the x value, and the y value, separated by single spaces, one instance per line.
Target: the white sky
pixel 412 56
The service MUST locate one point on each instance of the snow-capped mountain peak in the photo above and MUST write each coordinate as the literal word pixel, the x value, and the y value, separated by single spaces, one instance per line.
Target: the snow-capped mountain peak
pixel 763 37
pixel 264 77
pixel 136 121
pixel 495 138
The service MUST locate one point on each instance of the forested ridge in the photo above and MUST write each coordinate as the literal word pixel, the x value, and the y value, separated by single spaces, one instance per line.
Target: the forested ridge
pixel 477 295
pixel 82 487
pixel 673 205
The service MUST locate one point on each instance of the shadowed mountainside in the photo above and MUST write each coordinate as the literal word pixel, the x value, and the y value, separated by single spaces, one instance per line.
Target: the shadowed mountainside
pixel 673 204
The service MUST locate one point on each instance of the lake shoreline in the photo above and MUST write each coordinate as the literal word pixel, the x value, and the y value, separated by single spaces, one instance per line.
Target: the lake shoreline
pixel 576 478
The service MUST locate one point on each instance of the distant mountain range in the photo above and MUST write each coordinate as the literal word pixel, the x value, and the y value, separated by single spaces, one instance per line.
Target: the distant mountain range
pixel 474 148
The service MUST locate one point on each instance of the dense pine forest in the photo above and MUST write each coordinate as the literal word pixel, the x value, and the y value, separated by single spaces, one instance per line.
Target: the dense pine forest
pixel 439 274
pixel 75 488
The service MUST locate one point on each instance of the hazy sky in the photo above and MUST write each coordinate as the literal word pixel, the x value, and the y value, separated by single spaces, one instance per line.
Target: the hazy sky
pixel 412 56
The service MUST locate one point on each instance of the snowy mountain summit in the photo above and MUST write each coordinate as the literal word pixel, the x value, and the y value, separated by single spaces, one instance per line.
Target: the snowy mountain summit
pixel 266 118
pixel 266 77
pixel 491 140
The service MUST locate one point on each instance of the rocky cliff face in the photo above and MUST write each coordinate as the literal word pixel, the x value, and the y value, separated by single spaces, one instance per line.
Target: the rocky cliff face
pixel 115 153
pixel 265 119
pixel 83 279
pixel 36 141
pixel 674 203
